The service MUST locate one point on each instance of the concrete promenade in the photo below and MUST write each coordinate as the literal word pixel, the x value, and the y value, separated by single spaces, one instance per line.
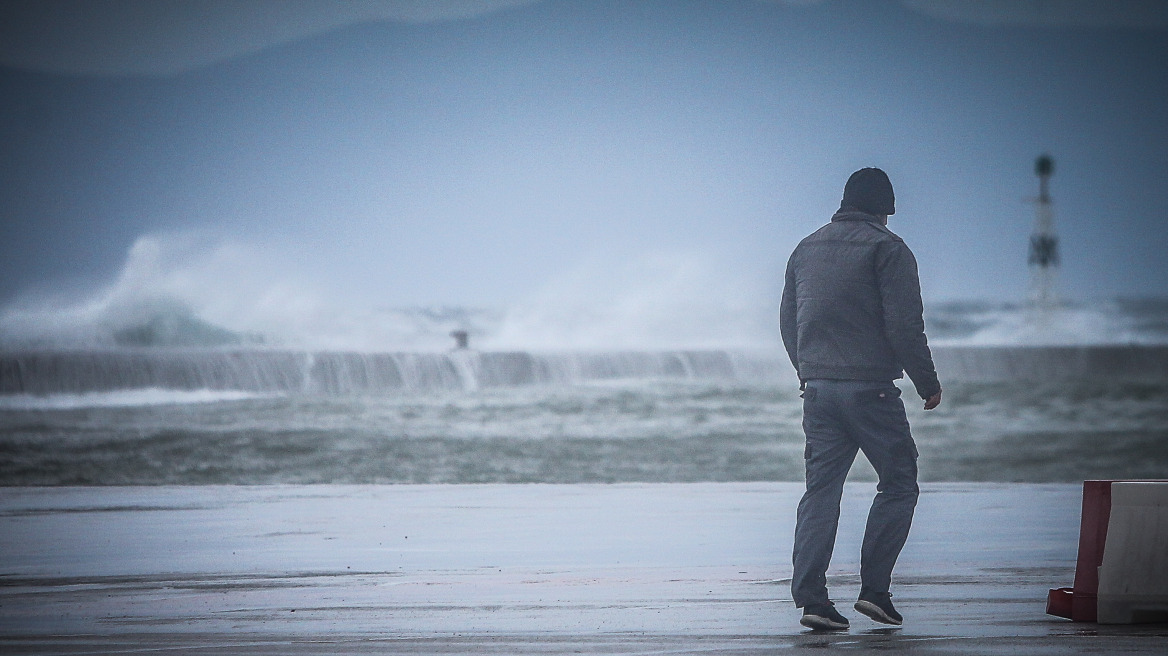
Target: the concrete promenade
pixel 521 569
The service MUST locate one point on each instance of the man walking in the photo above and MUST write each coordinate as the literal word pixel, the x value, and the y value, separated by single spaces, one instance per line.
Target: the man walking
pixel 851 321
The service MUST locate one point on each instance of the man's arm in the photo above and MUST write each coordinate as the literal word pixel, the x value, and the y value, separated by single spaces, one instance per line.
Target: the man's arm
pixel 788 316
pixel 904 322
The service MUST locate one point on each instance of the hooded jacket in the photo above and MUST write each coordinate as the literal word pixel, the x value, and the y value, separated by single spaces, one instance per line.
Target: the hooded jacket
pixel 852 308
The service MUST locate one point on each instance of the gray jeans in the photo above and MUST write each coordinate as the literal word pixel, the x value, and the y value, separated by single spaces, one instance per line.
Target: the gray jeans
pixel 839 418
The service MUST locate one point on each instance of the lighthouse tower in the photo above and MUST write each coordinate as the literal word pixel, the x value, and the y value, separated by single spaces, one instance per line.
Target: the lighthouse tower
pixel 1044 255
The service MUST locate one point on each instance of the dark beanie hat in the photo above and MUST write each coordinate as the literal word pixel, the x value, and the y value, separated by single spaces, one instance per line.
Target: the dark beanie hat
pixel 869 190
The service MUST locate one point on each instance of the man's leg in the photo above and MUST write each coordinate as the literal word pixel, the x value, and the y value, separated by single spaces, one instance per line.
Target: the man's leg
pixel 882 429
pixel 828 457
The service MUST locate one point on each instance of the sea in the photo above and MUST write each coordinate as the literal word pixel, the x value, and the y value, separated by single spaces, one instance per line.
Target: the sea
pixel 1061 394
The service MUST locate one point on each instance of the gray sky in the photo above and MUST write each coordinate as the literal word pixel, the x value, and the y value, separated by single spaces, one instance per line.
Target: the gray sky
pixel 489 154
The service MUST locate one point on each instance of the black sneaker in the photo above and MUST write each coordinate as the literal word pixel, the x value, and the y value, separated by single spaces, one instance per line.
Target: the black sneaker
pixel 823 617
pixel 879 607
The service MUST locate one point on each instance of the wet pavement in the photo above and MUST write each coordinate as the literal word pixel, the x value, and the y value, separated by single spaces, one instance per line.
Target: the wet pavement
pixel 522 569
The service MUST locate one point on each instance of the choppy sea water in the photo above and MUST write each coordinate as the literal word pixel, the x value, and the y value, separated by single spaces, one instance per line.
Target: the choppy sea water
pixel 1082 396
pixel 671 424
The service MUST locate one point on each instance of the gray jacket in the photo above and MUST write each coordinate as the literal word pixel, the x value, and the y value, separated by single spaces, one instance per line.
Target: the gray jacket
pixel 852 307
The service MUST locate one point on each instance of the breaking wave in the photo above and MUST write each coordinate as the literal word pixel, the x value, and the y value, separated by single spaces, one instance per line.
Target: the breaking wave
pixel 176 292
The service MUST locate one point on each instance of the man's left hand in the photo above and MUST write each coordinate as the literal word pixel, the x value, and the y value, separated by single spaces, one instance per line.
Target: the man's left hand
pixel 933 401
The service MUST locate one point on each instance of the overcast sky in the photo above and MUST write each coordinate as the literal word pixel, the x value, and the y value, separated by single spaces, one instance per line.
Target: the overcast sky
pixel 495 153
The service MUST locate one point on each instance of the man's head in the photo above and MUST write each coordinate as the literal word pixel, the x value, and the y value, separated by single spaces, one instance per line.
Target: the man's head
pixel 869 190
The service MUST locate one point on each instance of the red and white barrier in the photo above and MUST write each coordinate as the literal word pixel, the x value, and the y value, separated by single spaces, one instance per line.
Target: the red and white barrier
pixel 1122 571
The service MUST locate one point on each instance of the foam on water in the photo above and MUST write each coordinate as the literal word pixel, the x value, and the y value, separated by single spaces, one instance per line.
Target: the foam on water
pixel 1094 323
pixel 127 398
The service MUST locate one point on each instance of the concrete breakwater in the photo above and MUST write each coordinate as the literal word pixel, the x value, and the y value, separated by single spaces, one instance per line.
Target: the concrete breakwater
pixel 333 372
pixel 286 371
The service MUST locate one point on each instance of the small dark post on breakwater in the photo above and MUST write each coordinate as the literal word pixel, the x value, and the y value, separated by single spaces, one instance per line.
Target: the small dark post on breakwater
pixel 461 339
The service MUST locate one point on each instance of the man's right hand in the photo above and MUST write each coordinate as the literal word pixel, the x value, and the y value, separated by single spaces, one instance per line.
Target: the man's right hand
pixel 933 401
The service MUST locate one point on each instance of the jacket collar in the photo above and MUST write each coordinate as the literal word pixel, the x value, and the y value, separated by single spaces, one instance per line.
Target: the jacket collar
pixel 849 214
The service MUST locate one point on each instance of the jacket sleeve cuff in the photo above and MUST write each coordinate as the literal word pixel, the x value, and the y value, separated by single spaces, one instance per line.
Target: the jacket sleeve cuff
pixel 925 396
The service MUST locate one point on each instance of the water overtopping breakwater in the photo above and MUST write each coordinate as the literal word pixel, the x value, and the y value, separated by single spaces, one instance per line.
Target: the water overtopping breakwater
pixel 50 372
pixel 340 373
